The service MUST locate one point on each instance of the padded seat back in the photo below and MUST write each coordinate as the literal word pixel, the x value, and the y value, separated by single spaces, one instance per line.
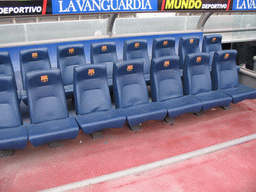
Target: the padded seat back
pixel 46 97
pixel 165 78
pixel 137 49
pixel 188 45
pixel 91 89
pixel 212 43
pixel 129 85
pixel 6 67
pixel 224 71
pixel 9 107
pixel 197 78
pixel 163 47
pixel 32 60
pixel 69 56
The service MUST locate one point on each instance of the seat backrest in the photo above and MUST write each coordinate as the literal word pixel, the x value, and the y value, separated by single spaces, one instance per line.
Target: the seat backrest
pixel 163 47
pixel 32 60
pixel 6 67
pixel 9 106
pixel 129 85
pixel 212 43
pixel 197 77
pixel 91 91
pixel 46 97
pixel 69 56
pixel 188 45
pixel 224 70
pixel 165 80
pixel 137 49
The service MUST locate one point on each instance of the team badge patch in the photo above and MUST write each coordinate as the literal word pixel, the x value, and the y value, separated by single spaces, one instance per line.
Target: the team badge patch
pixel 71 50
pixel 34 55
pixel 136 45
pixel 166 63
pixel 129 67
pixel 165 43
pixel 91 72
pixel 213 39
pixel 198 59
pixel 191 41
pixel 226 56
pixel 104 48
pixel 44 78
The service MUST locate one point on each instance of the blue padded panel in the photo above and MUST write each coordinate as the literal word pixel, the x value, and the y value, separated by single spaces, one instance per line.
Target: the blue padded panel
pixel 212 43
pixel 188 45
pixel 140 113
pixel 129 85
pixel 69 56
pixel 32 60
pixel 240 93
pixel 224 72
pixel 181 105
pixel 137 49
pixel 213 99
pixel 6 67
pixel 163 47
pixel 197 78
pixel 91 89
pixel 46 132
pixel 165 78
pixel 99 120
pixel 46 96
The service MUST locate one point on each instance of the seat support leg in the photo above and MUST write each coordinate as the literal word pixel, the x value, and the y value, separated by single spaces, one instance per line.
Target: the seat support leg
pixel 97 135
pixel 54 144
pixel 169 120
pixel 226 108
pixel 200 113
pixel 6 153
pixel 134 128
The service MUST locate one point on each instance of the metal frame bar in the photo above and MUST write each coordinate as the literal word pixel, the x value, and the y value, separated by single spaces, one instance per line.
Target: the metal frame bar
pixel 111 22
pixel 203 19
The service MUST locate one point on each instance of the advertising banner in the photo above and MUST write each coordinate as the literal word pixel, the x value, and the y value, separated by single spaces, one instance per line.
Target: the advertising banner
pixel 244 5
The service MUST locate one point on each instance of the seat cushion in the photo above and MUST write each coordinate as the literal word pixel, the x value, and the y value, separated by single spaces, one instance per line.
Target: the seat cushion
pixel 13 138
pixel 213 99
pixel 97 121
pixel 181 105
pixel 46 132
pixel 240 93
pixel 144 112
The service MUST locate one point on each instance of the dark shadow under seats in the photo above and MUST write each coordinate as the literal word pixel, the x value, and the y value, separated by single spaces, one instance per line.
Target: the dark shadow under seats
pixel 163 47
pixel 225 77
pixel 131 95
pixel 13 135
pixel 138 49
pixel 32 60
pixel 69 56
pixel 92 99
pixel 197 82
pixel 104 53
pixel 166 87
pixel 48 108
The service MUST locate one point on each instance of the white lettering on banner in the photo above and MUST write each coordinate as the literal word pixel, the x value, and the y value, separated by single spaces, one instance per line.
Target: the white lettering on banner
pixel 245 4
pixel 103 5
pixel 19 10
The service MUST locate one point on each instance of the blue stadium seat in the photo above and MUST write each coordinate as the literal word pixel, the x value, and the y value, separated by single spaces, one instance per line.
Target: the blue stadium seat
pixel 197 82
pixel 163 47
pixel 48 108
pixel 131 95
pixel 32 60
pixel 138 49
pixel 13 135
pixel 166 87
pixel 188 45
pixel 92 100
pixel 211 43
pixel 69 56
pixel 225 77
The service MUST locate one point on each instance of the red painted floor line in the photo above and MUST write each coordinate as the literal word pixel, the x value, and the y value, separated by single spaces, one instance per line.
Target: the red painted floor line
pixel 34 169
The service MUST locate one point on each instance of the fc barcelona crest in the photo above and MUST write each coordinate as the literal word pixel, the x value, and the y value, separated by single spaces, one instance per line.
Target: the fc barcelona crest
pixel 136 45
pixel 191 41
pixel 71 50
pixel 91 72
pixel 165 43
pixel 166 63
pixel 226 56
pixel 213 39
pixel 198 59
pixel 129 67
pixel 104 48
pixel 44 78
pixel 34 55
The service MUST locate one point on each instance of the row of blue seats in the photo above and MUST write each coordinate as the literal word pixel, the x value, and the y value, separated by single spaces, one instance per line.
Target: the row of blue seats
pixel 69 56
pixel 49 114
